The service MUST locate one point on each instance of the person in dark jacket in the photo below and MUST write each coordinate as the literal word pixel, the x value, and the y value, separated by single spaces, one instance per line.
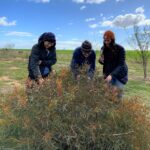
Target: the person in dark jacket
pixel 42 57
pixel 83 56
pixel 112 58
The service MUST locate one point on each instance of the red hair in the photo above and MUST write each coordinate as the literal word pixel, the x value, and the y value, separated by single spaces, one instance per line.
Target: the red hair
pixel 109 35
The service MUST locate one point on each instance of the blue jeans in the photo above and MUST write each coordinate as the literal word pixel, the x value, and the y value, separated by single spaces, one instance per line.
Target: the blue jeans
pixel 44 71
pixel 116 83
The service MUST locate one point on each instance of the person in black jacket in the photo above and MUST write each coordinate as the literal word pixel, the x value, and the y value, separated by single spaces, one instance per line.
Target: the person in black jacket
pixel 83 56
pixel 42 57
pixel 112 58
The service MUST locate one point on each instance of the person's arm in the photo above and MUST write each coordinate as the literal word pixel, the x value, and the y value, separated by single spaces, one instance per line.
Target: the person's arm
pixel 121 69
pixel 51 61
pixel 92 66
pixel 75 64
pixel 101 58
pixel 34 62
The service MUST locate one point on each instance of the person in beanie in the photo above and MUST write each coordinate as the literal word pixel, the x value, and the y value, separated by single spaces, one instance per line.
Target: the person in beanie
pixel 83 55
pixel 112 58
pixel 42 57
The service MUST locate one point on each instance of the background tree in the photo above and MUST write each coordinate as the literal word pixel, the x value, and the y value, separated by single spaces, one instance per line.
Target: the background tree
pixel 140 41
pixel 9 46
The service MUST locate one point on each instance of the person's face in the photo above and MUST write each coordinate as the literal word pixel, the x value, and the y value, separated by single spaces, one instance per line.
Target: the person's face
pixel 48 44
pixel 107 41
pixel 86 54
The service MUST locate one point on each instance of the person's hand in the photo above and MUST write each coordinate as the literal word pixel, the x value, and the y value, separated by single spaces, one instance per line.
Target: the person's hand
pixel 54 72
pixel 40 81
pixel 101 60
pixel 78 77
pixel 109 78
pixel 89 78
pixel 40 61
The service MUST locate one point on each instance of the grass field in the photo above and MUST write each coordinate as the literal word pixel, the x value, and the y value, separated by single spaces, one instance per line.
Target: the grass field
pixel 13 71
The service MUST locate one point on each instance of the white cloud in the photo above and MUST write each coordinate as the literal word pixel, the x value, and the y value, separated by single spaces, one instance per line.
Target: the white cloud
pixel 28 43
pixel 82 7
pixel 93 26
pixel 107 18
pixel 101 31
pixel 20 34
pixel 110 17
pixel 95 1
pixel 146 22
pixel 107 23
pixel 40 1
pixel 78 1
pixel 89 19
pixel 89 1
pixel 119 0
pixel 71 44
pixel 75 39
pixel 101 15
pixel 127 20
pixel 4 22
pixel 18 43
pixel 74 43
pixel 140 10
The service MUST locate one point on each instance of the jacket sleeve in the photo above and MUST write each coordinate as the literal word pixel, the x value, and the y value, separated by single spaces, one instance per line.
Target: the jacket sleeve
pixel 51 61
pixel 92 66
pixel 101 58
pixel 34 62
pixel 121 69
pixel 75 64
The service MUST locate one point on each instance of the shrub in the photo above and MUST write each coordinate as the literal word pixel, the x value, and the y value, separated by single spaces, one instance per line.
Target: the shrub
pixel 65 114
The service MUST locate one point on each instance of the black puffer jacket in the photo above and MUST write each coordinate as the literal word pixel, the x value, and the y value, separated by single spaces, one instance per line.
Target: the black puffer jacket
pixel 39 53
pixel 114 63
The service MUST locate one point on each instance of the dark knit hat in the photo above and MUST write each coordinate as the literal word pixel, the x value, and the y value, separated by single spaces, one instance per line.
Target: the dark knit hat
pixel 47 36
pixel 86 46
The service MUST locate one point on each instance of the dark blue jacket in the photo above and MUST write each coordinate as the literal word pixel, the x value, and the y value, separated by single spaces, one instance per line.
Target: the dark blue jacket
pixel 114 63
pixel 39 53
pixel 78 60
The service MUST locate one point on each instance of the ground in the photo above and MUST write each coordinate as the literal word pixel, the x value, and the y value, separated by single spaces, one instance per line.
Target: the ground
pixel 13 64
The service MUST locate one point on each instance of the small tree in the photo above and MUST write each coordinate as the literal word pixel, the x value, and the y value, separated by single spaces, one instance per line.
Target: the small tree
pixel 141 42
pixel 9 46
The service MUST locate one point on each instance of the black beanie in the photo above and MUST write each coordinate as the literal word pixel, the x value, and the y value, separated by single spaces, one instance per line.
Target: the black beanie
pixel 86 46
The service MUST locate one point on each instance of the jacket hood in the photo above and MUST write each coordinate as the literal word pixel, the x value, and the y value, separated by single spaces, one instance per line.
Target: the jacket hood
pixel 47 36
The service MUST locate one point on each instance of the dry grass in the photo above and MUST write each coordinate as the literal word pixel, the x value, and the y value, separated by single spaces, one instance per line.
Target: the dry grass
pixel 69 115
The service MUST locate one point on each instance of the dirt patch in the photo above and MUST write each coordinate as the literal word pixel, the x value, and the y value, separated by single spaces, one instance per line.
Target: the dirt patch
pixel 9 84
pixel 9 87
pixel 5 78
pixel 13 59
pixel 6 60
pixel 14 68
pixel 14 83
pixel 6 90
